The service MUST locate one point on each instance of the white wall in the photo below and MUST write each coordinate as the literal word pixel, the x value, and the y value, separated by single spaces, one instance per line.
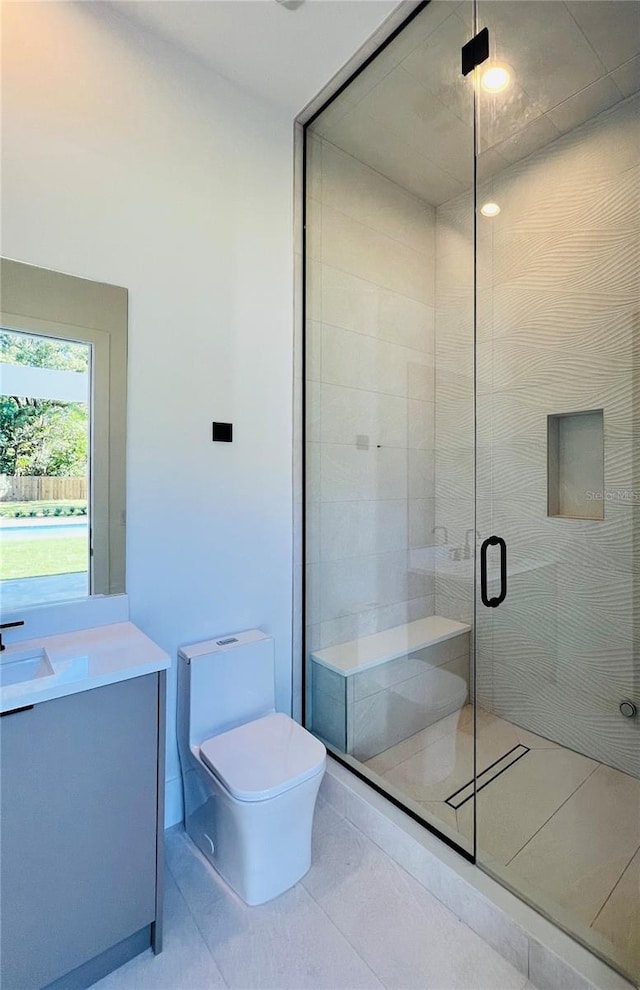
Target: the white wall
pixel 125 162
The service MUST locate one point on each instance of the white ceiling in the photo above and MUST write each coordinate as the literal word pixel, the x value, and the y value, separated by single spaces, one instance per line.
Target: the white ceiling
pixel 284 56
pixel 409 115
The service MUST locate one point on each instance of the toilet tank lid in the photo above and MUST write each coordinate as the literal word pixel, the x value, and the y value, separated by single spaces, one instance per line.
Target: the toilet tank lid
pixel 263 758
pixel 221 644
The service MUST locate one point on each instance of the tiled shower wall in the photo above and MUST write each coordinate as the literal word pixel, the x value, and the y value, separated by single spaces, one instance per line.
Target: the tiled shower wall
pixel 558 331
pixel 370 399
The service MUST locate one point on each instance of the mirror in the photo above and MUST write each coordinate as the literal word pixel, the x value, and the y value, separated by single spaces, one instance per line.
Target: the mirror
pixel 63 375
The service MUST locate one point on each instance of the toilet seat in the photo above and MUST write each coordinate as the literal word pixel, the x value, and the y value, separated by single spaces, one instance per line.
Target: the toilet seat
pixel 263 758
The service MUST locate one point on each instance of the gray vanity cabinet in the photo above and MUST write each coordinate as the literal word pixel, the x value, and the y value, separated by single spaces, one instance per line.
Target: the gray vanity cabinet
pixel 80 788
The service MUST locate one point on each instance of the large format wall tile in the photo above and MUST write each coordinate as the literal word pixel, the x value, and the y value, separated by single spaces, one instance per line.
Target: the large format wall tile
pixel 357 361
pixel 356 584
pixel 351 415
pixel 363 251
pixel 420 477
pixel 353 303
pixel 352 474
pixel 422 515
pixel 370 620
pixel 371 199
pixel 360 529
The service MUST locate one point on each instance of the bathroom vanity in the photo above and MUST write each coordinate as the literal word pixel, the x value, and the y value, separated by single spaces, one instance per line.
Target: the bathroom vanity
pixel 81 792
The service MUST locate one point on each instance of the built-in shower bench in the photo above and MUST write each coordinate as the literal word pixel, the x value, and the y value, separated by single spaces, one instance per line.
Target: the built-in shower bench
pixel 370 693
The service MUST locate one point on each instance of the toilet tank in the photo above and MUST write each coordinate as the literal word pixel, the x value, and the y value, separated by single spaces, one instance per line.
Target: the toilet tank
pixel 224 682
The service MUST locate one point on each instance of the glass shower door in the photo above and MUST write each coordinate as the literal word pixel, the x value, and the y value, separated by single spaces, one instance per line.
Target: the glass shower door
pixel 557 464
pixel 389 524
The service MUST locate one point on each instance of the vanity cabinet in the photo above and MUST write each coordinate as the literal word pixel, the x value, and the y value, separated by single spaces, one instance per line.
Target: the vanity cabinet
pixel 81 833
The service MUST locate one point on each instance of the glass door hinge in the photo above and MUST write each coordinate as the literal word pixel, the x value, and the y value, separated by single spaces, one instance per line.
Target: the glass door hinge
pixel 475 51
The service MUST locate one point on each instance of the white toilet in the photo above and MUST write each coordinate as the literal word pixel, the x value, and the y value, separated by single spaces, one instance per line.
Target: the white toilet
pixel 251 775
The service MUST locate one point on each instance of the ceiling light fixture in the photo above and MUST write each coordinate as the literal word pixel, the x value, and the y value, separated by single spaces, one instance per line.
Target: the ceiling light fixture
pixel 490 210
pixel 290 4
pixel 495 78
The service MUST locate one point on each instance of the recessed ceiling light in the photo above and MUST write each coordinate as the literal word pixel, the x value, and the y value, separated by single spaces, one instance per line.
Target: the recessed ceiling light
pixel 490 210
pixel 495 78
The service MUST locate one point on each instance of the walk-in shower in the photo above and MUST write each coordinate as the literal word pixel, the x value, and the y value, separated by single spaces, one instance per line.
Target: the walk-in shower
pixel 472 443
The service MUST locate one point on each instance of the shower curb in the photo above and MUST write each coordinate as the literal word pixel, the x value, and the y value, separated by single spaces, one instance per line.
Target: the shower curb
pixel 548 957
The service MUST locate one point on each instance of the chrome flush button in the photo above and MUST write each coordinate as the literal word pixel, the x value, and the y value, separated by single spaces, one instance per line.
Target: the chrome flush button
pixel 628 709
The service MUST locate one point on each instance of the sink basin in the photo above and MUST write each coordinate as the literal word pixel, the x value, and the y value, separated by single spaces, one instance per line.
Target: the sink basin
pixel 18 666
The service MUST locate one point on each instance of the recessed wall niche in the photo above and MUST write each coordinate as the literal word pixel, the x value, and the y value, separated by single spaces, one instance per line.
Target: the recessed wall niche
pixel 575 476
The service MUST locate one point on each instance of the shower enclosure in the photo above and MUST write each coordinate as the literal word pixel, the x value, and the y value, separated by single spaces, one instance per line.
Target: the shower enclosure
pixel 472 448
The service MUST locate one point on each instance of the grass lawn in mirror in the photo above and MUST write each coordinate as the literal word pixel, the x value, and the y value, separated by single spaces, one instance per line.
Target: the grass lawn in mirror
pixel 31 558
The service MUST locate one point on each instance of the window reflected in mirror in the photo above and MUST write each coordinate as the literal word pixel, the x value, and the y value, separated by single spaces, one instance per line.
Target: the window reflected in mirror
pixel 45 431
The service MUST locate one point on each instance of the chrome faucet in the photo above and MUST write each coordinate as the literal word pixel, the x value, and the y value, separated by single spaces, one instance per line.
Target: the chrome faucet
pixel 7 625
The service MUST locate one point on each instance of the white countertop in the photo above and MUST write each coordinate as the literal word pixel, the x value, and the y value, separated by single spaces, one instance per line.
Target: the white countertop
pixel 82 660
pixel 370 651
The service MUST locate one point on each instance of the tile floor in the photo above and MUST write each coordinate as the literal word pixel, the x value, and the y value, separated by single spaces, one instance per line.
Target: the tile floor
pixel 356 920
pixel 556 826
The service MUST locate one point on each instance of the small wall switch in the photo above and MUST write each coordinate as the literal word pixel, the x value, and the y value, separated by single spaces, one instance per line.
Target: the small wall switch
pixel 222 432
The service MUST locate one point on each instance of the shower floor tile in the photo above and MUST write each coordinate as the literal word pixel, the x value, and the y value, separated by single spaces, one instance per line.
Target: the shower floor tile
pixel 556 826
pixel 583 850
pixel 441 767
pixel 522 800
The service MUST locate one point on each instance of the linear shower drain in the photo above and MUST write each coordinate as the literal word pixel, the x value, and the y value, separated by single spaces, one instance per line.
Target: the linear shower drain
pixel 484 778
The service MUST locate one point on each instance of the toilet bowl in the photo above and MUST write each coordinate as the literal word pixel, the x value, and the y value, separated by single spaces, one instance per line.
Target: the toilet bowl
pixel 250 774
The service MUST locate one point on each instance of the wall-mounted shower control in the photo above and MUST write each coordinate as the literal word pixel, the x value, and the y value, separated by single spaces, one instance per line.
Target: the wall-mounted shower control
pixel 628 709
